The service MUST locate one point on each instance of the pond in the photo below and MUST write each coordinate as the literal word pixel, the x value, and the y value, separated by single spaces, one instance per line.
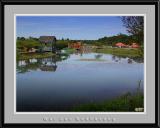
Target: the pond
pixel 62 82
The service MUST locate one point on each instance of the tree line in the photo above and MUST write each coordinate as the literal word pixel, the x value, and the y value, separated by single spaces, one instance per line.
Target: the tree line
pixel 134 26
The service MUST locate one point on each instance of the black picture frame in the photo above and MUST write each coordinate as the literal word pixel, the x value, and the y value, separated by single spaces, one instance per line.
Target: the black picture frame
pixel 80 2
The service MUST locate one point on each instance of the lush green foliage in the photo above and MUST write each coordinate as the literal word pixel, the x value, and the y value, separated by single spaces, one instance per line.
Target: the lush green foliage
pixel 34 55
pixel 127 52
pixel 124 103
pixel 69 50
pixel 26 44
pixel 60 44
pixel 135 26
pixel 23 45
pixel 111 41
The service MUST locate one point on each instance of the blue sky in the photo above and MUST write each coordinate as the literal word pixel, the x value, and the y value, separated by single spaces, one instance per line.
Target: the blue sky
pixel 72 27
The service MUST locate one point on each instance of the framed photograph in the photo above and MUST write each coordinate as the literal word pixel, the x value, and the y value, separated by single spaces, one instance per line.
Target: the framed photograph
pixel 80 63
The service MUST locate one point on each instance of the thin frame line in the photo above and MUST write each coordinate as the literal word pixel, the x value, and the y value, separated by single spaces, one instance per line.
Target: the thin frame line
pixel 15 112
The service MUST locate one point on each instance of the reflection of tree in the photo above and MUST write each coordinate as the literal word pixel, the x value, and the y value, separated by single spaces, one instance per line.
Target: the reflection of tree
pixel 130 59
pixel 98 56
pixel 113 57
pixel 135 26
pixel 26 66
pixel 138 59
pixel 44 64
pixel 116 58
pixel 48 68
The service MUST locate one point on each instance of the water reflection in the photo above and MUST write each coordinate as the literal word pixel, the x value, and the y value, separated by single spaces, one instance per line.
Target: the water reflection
pixel 50 64
pixel 44 64
pixel 116 58
pixel 130 60
pixel 72 79
pixel 98 56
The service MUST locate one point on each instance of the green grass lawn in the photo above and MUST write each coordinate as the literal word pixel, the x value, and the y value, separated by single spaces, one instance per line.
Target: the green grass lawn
pixel 69 50
pixel 124 103
pixel 126 52
pixel 25 56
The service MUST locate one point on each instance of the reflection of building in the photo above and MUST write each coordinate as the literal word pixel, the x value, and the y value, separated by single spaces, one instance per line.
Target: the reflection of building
pixel 48 64
pixel 48 68
pixel 43 64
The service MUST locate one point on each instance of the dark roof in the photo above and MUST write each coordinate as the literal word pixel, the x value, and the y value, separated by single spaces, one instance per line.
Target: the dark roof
pixel 47 39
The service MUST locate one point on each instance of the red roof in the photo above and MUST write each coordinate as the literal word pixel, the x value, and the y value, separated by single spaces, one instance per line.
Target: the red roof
pixel 120 44
pixel 135 45
pixel 76 45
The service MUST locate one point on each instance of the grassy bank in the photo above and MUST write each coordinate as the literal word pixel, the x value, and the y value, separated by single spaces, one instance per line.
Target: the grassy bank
pixel 26 56
pixel 126 52
pixel 69 50
pixel 124 103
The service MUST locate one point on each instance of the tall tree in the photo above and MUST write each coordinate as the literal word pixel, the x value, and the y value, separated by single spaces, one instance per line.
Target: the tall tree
pixel 135 26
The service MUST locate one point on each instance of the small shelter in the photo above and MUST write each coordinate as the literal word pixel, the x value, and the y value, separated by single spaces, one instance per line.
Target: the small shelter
pixel 48 40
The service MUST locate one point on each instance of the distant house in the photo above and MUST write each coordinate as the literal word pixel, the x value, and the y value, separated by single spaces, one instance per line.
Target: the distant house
pixel 120 45
pixel 47 39
pixel 135 45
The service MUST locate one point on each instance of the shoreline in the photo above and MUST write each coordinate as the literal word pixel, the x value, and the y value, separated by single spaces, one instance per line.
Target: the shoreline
pixel 121 52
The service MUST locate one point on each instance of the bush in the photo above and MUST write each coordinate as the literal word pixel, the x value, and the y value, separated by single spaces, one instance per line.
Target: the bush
pixel 124 103
pixel 27 44
pixel 62 44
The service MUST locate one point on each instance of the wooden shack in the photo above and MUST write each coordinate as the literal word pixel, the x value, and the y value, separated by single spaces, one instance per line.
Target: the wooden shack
pixel 49 40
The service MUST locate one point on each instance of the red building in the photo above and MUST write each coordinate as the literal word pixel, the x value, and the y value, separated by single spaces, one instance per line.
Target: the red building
pixel 135 45
pixel 77 45
pixel 120 45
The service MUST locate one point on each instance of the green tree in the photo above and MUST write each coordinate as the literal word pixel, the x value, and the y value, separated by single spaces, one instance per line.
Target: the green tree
pixel 27 44
pixel 60 44
pixel 135 26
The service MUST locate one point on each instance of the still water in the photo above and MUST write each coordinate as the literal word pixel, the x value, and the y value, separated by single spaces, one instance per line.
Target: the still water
pixel 62 82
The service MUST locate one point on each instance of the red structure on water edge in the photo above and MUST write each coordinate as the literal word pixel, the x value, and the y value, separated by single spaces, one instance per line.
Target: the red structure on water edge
pixel 77 45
